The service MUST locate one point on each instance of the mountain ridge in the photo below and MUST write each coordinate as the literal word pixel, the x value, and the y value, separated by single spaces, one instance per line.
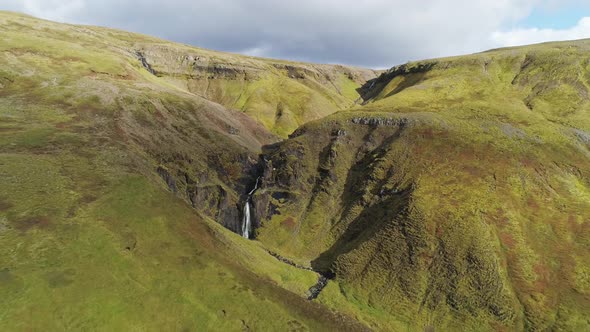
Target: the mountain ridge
pixel 456 196
pixel 453 182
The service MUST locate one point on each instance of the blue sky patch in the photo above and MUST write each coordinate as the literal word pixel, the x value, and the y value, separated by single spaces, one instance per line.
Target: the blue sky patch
pixel 556 18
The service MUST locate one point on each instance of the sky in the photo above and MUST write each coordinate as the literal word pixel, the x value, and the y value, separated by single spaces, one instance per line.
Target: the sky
pixel 367 33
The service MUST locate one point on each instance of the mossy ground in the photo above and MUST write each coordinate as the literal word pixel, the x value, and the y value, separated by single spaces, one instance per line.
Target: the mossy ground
pixel 135 252
pixel 282 95
pixel 456 197
pixel 92 239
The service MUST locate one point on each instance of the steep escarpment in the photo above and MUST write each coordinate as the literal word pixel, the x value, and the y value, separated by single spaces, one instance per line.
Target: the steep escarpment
pixel 279 94
pixel 176 106
pixel 202 150
pixel 113 183
pixel 457 195
pixel 448 194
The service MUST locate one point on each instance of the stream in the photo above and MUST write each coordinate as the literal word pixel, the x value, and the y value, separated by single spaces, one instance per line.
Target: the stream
pixel 315 290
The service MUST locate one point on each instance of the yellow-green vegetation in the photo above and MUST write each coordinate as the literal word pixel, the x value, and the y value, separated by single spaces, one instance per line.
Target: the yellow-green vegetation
pixel 134 258
pixel 449 194
pixel 91 144
pixel 281 95
pixel 455 198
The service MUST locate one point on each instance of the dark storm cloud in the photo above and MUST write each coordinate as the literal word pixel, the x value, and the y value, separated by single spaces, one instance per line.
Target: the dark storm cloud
pixel 367 33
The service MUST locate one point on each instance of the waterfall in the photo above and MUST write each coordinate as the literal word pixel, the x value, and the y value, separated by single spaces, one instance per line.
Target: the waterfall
pixel 246 220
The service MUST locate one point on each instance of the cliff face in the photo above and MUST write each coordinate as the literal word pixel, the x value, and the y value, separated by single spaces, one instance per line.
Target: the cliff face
pixel 197 116
pixel 458 194
pixel 278 95
pixel 451 194
pixel 100 161
pixel 281 95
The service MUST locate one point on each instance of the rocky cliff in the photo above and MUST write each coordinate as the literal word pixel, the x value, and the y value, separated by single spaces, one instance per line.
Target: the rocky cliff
pixel 457 195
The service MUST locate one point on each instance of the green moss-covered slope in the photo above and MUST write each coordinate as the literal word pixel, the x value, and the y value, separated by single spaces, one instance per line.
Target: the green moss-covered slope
pixel 282 95
pixel 448 194
pixel 456 197
pixel 91 146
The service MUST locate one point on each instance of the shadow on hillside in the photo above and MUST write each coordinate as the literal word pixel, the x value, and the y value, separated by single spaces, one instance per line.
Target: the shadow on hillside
pixel 412 76
pixel 362 229
pixel 373 216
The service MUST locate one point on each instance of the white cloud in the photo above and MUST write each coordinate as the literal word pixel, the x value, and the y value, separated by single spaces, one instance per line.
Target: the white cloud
pixel 534 35
pixel 258 51
pixel 57 10
pixel 373 33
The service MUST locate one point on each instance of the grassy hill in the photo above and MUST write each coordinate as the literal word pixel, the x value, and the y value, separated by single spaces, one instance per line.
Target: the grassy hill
pixel 456 197
pixel 447 194
pixel 281 95
pixel 91 236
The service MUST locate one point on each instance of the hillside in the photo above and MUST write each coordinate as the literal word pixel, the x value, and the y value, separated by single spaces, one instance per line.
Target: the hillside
pixel 281 95
pixel 457 197
pixel 445 194
pixel 92 238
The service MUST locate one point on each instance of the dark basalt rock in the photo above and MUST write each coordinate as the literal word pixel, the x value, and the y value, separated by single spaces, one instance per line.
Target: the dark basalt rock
pixel 373 87
pixel 233 131
pixel 339 133
pixel 214 201
pixel 375 121
pixel 277 174
pixel 315 290
pixel 298 132
pixel 583 136
pixel 144 62
pixel 296 72
pixel 288 261
pixel 168 178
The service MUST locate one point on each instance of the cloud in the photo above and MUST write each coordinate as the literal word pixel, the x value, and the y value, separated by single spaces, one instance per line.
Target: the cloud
pixel 371 33
pixel 53 9
pixel 533 35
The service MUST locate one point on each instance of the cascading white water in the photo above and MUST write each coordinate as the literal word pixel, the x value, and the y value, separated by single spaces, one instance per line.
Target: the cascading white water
pixel 246 222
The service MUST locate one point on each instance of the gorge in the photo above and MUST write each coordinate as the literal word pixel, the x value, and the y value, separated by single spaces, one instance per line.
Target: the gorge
pixel 151 185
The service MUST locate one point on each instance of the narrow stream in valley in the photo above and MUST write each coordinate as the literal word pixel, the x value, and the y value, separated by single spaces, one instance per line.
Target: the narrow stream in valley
pixel 315 290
